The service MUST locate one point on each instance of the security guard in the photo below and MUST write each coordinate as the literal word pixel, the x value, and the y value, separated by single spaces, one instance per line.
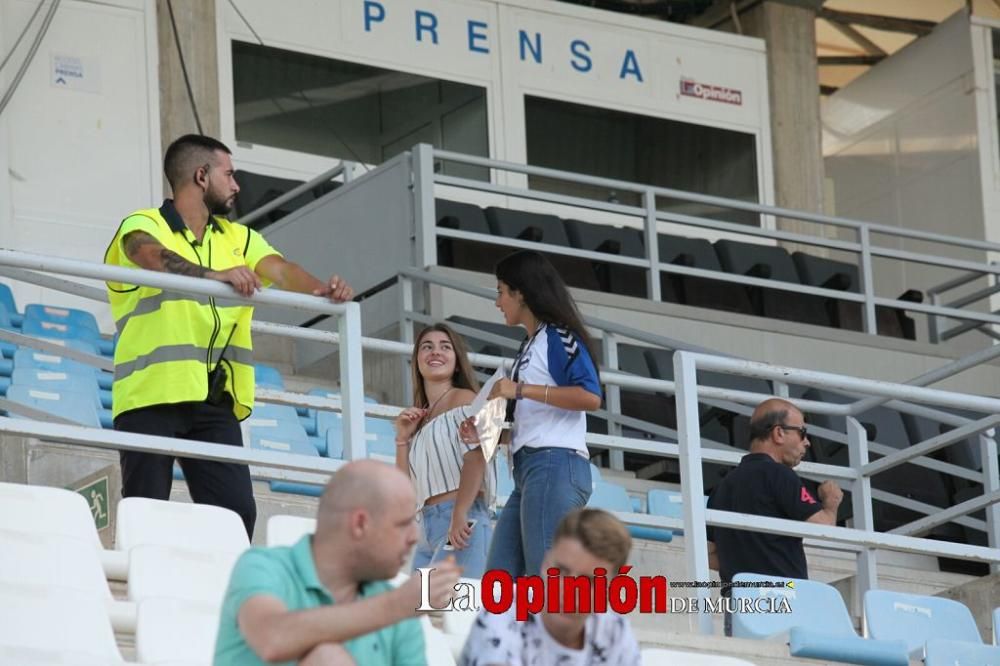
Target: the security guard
pixel 184 363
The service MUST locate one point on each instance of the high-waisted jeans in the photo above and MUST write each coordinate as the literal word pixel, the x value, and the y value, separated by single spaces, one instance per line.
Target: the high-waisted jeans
pixel 549 482
pixel 435 520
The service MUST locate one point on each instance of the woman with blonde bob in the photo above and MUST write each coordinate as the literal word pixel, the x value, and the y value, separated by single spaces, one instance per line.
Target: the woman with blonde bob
pixel 454 485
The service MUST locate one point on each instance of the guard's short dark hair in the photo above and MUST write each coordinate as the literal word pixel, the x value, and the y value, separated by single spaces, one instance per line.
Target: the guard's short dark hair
pixel 763 424
pixel 187 154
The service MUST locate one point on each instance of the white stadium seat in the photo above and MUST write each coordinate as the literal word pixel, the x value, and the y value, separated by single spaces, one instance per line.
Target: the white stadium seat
pixel 41 509
pixel 286 530
pixel 42 657
pixel 57 619
pixel 202 527
pixel 191 575
pixel 176 631
pixel 51 560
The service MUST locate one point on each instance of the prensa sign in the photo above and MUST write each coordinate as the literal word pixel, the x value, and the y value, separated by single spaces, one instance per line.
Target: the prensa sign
pixel 691 88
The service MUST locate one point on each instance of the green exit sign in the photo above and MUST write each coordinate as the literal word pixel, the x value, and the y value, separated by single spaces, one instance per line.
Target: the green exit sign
pixel 96 494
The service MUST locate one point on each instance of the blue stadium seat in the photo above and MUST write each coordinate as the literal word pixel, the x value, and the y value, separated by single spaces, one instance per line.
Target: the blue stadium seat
pixel 380 435
pixel 916 619
pixel 943 652
pixel 25 357
pixel 265 375
pixel 611 497
pixel 996 626
pixel 7 349
pixel 75 381
pixel 78 407
pixel 7 303
pixel 58 331
pixel 4 385
pixel 69 316
pixel 668 503
pixel 277 428
pixel 817 627
pixel 595 474
pixel 296 488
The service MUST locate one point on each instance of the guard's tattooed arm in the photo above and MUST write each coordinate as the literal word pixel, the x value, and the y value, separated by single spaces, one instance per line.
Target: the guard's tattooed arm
pixel 148 253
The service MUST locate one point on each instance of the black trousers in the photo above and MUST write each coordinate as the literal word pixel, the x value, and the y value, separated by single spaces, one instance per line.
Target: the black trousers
pixel 151 474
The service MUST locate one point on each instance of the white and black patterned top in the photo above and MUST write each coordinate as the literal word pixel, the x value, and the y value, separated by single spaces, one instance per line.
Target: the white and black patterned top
pixel 501 639
pixel 436 454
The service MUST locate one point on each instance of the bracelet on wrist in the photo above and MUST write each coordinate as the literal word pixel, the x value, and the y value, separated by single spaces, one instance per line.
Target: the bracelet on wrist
pixel 518 391
pixel 403 442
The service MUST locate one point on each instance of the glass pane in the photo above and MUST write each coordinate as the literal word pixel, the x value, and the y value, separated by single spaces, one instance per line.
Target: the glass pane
pixel 645 150
pixel 349 111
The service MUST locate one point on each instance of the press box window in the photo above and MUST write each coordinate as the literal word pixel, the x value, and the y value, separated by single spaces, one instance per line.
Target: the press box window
pixel 350 111
pixel 641 149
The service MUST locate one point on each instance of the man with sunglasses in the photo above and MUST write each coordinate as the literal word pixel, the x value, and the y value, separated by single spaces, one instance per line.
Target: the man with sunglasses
pixel 765 485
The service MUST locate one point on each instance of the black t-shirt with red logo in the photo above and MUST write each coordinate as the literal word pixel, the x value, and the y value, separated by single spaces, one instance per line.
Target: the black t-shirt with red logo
pixel 761 486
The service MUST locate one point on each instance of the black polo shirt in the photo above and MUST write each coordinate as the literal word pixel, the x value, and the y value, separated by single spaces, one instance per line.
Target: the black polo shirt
pixel 761 486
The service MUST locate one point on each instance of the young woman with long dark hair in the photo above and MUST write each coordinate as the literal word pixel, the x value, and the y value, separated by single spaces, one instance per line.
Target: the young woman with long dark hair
pixel 453 483
pixel 553 382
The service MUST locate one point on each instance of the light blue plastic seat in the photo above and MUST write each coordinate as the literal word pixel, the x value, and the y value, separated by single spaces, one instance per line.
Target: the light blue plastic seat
pixel 77 407
pixel 943 652
pixel 280 436
pixel 265 375
pixel 996 626
pixel 380 436
pixel 59 315
pixel 7 349
pixel 612 497
pixel 56 330
pixel 817 627
pixel 34 358
pixel 8 303
pixel 916 619
pixel 296 488
pixel 325 419
pixel 595 474
pixel 77 381
pixel 667 503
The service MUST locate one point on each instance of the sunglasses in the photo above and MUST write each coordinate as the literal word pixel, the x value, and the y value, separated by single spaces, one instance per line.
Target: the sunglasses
pixel 802 430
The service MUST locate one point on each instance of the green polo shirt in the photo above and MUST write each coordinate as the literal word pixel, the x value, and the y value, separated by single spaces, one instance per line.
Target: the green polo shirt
pixel 289 574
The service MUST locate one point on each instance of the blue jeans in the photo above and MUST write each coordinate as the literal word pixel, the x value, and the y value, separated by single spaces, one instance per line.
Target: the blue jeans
pixel 435 520
pixel 549 482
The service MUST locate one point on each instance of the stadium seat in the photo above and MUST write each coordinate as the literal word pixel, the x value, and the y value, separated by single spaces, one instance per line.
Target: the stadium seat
pixel 830 274
pixel 48 511
pixel 817 627
pixel 698 291
pixel 625 242
pixel 612 497
pixel 277 428
pixel 70 316
pixel 7 349
pixel 26 357
pixel 156 570
pixel 204 527
pixel 514 333
pixel 542 228
pixel 77 407
pixel 287 530
pixel 176 630
pixel 57 619
pixel 43 657
pixel 916 619
pixel 7 303
pixel 664 657
pixel 51 560
pixel 943 652
pixel 266 376
pixel 668 503
pixel 460 253
pixel 996 625
pixel 256 190
pixel 57 381
pixel 771 262
pixel 59 331
pixel 380 435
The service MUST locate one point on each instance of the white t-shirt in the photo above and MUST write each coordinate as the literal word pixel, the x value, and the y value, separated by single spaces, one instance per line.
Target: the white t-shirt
pixel 501 639
pixel 553 357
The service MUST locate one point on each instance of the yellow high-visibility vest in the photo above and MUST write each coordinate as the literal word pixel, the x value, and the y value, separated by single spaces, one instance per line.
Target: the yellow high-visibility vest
pixel 169 341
